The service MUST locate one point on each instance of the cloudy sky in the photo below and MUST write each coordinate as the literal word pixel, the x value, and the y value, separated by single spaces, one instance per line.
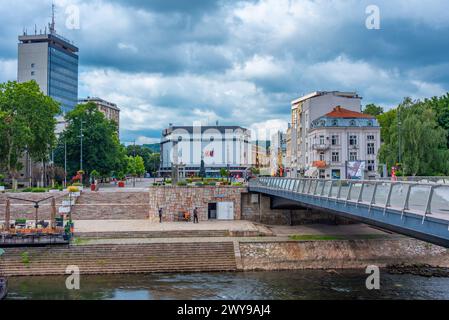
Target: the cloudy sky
pixel 238 62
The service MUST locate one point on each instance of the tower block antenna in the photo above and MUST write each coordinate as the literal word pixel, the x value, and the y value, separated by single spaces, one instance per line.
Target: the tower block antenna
pixel 52 24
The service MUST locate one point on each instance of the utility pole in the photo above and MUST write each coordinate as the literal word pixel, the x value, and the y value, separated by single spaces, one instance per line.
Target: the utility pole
pixel 399 136
pixel 134 176
pixel 81 149
pixel 65 162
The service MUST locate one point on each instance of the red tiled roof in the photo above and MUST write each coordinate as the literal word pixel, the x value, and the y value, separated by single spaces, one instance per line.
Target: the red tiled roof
pixel 340 112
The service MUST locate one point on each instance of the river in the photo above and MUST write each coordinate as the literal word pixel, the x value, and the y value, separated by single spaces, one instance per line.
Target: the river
pixel 305 284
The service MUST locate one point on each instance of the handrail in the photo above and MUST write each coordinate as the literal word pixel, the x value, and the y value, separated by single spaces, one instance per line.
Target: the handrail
pixel 317 188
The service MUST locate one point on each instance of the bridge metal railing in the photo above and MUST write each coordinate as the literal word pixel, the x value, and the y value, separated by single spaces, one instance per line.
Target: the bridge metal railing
pixel 416 197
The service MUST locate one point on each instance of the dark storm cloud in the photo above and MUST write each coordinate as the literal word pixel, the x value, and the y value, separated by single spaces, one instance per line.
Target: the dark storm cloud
pixel 170 6
pixel 232 59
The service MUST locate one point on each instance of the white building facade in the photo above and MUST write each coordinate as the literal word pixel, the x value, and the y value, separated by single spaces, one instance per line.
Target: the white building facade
pixel 219 147
pixel 278 153
pixel 305 110
pixel 343 144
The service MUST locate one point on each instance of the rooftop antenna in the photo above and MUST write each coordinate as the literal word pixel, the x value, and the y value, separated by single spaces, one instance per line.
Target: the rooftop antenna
pixel 35 29
pixel 52 24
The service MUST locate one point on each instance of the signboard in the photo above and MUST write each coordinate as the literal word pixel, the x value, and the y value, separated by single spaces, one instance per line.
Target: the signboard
pixel 355 170
pixel 64 209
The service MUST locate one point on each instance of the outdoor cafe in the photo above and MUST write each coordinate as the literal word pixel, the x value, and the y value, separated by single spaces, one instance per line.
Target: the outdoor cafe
pixel 34 232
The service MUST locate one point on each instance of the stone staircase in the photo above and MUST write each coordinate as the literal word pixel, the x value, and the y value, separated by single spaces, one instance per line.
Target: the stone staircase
pixel 112 205
pixel 114 259
pixel 154 234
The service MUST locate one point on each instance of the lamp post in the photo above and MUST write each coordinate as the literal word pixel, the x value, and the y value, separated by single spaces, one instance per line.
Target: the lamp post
pixel 81 149
pixel 65 162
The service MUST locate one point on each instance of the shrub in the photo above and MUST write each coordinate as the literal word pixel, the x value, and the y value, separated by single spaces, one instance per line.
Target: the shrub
pixel 76 184
pixel 36 190
pixel 182 183
pixel 237 184
pixel 199 184
pixel 73 189
pixel 212 183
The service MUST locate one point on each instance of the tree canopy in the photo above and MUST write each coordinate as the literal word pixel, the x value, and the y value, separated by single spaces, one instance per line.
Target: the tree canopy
pixel 27 122
pixel 102 151
pixel 413 136
pixel 373 110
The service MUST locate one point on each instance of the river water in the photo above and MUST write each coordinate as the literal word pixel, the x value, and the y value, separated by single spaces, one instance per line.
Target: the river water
pixel 305 284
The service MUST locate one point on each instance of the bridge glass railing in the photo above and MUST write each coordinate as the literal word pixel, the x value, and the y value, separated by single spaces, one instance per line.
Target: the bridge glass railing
pixel 424 198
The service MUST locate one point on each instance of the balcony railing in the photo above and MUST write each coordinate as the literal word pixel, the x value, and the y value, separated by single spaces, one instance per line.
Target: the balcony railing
pixel 321 147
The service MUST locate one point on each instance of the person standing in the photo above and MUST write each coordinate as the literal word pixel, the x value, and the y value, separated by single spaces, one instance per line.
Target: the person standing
pixel 160 215
pixel 195 215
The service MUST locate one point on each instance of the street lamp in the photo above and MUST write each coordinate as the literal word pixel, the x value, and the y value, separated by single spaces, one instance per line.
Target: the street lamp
pixel 81 149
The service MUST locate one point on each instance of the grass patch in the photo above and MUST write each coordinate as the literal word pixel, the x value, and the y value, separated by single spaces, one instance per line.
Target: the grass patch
pixel 79 241
pixel 319 237
pixel 25 258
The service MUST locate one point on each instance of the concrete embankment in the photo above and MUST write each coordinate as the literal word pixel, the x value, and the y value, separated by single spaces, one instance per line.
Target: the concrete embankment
pixel 218 254
pixel 340 254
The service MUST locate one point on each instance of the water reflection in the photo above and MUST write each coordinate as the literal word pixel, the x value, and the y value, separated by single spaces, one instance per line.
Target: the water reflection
pixel 307 284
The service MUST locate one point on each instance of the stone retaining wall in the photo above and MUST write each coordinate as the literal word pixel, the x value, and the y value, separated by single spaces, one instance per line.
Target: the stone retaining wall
pixel 177 199
pixel 21 209
pixel 343 254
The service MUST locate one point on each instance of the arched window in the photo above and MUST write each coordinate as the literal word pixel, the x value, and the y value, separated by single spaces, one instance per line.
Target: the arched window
pixel 370 123
pixel 212 138
pixel 180 138
pixel 335 122
pixel 352 123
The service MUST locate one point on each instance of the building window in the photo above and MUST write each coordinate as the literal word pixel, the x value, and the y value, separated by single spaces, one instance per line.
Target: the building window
pixel 33 65
pixel 321 156
pixel 322 174
pixel 370 137
pixel 370 123
pixel 371 165
pixel 322 140
pixel 212 139
pixel 335 123
pixel 370 148
pixel 179 138
pixel 352 140
pixel 334 140
pixel 335 157
pixel 352 123
pixel 32 73
pixel 353 156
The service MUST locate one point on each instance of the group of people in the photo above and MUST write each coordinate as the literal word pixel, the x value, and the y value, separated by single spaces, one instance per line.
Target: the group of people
pixel 195 215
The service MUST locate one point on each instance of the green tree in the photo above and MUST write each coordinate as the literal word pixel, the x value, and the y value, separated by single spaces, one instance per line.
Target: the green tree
pixel 101 148
pixel 144 152
pixel 140 166
pixel 155 160
pixel 27 122
pixel 415 137
pixel 440 105
pixel 373 110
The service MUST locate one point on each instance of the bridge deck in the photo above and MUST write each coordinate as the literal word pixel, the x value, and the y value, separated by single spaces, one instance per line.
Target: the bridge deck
pixel 420 210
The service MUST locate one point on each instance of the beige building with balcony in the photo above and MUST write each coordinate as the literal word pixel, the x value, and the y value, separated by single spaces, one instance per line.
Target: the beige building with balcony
pixel 342 144
pixel 306 109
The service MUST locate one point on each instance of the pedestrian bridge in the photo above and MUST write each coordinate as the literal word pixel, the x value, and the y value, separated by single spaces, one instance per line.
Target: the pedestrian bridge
pixel 419 210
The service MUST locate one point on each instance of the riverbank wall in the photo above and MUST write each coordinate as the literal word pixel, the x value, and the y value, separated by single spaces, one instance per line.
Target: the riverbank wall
pixel 231 254
pixel 340 254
